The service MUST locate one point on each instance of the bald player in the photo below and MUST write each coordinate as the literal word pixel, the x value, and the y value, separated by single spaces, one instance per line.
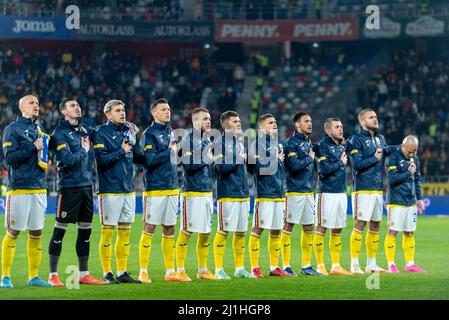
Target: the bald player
pixel 25 148
pixel 404 202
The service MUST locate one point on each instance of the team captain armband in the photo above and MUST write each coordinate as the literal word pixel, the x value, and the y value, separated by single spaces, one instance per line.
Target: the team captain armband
pixel 322 158
pixel 7 144
pixel 61 146
pixel 187 154
pixel 392 168
pixel 354 151
pixel 42 156
pixel 148 146
pixel 291 154
pixel 99 145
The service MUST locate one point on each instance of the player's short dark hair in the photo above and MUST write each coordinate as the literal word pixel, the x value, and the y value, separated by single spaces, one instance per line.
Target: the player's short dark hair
pixel 62 105
pixel 298 116
pixel 362 113
pixel 227 115
pixel 264 117
pixel 198 110
pixel 158 101
pixel 329 121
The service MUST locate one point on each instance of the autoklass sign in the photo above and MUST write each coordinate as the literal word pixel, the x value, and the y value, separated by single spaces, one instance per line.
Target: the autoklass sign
pixel 287 30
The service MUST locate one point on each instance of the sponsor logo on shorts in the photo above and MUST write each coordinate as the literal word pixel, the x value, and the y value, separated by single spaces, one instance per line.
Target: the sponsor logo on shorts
pixel 13 221
pixel 106 217
pixel 261 222
pixel 64 214
pixel 324 221
pixel 190 225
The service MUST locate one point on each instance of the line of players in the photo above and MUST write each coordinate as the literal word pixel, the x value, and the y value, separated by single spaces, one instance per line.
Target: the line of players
pixel 298 162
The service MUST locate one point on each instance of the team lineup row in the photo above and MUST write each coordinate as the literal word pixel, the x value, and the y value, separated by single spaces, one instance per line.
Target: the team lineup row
pixel 284 186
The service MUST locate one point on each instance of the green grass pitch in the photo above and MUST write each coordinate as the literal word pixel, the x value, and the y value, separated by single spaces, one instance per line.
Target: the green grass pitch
pixel 432 253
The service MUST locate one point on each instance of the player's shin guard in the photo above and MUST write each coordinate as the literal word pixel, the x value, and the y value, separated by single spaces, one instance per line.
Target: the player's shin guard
pixel 372 244
pixel 318 246
pixel 168 251
pixel 202 250
pixel 408 245
pixel 238 245
pixel 219 249
pixel 254 250
pixel 355 245
pixel 83 247
pixel 34 250
pixel 105 248
pixel 181 250
pixel 390 248
pixel 306 248
pixel 335 248
pixel 8 252
pixel 274 249
pixel 285 247
pixel 55 248
pixel 122 247
pixel 145 249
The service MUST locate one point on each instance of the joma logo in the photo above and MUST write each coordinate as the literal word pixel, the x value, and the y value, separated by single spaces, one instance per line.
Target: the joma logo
pixel 33 26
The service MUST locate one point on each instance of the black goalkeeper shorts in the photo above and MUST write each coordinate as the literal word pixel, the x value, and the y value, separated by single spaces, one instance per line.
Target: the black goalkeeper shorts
pixel 75 205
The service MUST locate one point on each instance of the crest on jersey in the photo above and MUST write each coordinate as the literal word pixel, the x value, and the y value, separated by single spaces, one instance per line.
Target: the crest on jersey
pixel 377 141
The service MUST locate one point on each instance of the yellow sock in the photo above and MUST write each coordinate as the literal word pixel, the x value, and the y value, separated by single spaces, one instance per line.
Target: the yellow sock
pixel 8 252
pixel 306 247
pixel 254 250
pixel 285 247
pixel 34 250
pixel 122 247
pixel 202 249
pixel 274 248
pixel 219 249
pixel 238 245
pixel 318 246
pixel 335 246
pixel 390 248
pixel 181 249
pixel 145 249
pixel 355 245
pixel 105 248
pixel 372 244
pixel 168 251
pixel 408 245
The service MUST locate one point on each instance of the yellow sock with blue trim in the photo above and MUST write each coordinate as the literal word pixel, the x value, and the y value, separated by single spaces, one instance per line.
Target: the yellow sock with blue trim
pixel 181 250
pixel 168 251
pixel 34 250
pixel 318 247
pixel 202 250
pixel 122 247
pixel 408 245
pixel 238 245
pixel 254 250
pixel 9 245
pixel 145 249
pixel 105 248
pixel 286 248
pixel 390 248
pixel 335 248
pixel 274 249
pixel 306 248
pixel 219 249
